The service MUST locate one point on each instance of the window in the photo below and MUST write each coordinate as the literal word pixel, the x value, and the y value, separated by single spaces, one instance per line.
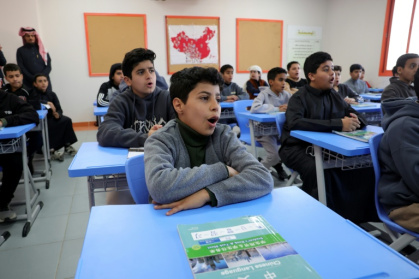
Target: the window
pixel 402 21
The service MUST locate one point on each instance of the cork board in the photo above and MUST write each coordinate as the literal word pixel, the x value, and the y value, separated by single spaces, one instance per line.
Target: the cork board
pixel 258 42
pixel 192 41
pixel 110 36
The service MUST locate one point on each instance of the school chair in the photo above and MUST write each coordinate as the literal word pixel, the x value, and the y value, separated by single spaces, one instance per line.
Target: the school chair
pixel 241 106
pixel 134 169
pixel 280 120
pixel 400 236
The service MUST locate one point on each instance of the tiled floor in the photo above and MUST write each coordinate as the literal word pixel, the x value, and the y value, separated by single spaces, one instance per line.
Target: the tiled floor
pixel 53 245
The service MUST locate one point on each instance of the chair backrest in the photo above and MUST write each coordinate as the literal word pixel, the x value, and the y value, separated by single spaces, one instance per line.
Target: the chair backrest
pixel 280 120
pixel 134 169
pixel 240 106
pixel 374 143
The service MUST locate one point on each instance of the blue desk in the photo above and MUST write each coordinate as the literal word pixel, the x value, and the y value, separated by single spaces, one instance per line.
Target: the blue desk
pixel 371 112
pixel 17 134
pixel 336 143
pixel 136 241
pixel 99 112
pixel 98 163
pixel 371 97
pixel 261 124
pixel 375 90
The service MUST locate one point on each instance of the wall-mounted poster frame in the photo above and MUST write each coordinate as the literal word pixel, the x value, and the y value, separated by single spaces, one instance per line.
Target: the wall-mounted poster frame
pixel 110 36
pixel 258 41
pixel 192 41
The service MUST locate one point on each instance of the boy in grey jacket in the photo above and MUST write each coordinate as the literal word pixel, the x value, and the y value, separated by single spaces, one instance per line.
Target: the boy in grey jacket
pixel 274 99
pixel 139 111
pixel 193 160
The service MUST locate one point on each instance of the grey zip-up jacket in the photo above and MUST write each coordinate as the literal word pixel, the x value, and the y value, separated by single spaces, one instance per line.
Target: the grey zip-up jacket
pixel 170 178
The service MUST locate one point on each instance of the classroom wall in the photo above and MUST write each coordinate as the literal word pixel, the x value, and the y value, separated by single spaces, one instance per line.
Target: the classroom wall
pixel 352 32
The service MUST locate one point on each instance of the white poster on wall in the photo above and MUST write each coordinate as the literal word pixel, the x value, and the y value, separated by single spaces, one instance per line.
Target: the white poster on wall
pixel 303 41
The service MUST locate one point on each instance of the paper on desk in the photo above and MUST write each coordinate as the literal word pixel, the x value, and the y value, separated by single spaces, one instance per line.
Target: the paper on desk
pixel 134 153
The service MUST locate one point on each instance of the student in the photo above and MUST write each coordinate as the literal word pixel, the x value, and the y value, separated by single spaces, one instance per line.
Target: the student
pixel 416 83
pixel 193 160
pixel 293 81
pixel 139 111
pixel 355 83
pixel 398 187
pixel 2 63
pixel 60 127
pixel 315 107
pixel 342 89
pixel 107 89
pixel 252 85
pixel 407 66
pixel 231 92
pixel 362 77
pixel 13 112
pixel 14 77
pixel 15 86
pixel 274 99
pixel 32 57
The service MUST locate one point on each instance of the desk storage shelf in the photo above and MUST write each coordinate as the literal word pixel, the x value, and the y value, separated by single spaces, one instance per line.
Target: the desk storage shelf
pixel 10 146
pixel 372 118
pixel 335 160
pixel 264 129
pixel 227 113
pixel 106 183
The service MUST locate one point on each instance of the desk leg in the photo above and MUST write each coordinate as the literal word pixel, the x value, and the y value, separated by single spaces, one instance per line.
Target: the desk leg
pixel 91 191
pixel 321 188
pixel 45 150
pixel 252 139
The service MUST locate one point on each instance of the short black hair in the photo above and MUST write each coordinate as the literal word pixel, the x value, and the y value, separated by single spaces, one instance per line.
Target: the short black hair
pixel 225 68
pixel 394 71
pixel 134 57
pixel 184 81
pixel 401 61
pixel 39 75
pixel 314 61
pixel 355 67
pixel 337 68
pixel 10 67
pixel 290 64
pixel 274 72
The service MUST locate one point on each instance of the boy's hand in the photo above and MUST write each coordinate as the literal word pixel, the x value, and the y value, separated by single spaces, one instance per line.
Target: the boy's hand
pixel 350 123
pixel 350 100
pixel 195 200
pixel 283 108
pixel 231 171
pixel 154 129
pixel 51 104
pixel 232 98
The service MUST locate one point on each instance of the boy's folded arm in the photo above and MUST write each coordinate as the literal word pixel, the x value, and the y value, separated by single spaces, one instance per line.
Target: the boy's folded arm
pixel 253 180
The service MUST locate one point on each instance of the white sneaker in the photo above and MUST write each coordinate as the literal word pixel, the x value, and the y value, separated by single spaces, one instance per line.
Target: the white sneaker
pixel 7 213
pixel 70 150
pixel 57 156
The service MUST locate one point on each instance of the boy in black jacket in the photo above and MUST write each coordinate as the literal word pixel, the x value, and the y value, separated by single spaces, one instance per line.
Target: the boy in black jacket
pixel 315 107
pixel 13 112
pixel 139 111
pixel 107 89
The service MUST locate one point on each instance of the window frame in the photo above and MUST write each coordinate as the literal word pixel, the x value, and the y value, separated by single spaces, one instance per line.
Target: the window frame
pixel 382 71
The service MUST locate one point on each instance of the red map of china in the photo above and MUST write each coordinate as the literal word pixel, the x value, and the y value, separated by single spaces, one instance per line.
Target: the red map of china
pixel 194 49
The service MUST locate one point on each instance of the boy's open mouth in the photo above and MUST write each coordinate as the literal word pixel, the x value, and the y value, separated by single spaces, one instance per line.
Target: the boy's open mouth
pixel 213 120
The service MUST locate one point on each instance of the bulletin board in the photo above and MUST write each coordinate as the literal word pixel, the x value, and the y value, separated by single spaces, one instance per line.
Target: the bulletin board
pixel 258 42
pixel 110 36
pixel 192 41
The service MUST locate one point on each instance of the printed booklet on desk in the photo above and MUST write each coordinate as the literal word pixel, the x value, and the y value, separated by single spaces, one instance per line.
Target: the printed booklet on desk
pixel 246 247
pixel 360 135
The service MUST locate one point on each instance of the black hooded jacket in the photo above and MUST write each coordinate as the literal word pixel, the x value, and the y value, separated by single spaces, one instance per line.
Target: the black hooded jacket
pixel 107 88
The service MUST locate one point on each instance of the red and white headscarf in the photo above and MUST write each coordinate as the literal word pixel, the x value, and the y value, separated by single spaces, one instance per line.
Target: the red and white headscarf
pixel 31 31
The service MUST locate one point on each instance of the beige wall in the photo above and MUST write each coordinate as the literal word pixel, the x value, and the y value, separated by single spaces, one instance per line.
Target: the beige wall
pixel 352 32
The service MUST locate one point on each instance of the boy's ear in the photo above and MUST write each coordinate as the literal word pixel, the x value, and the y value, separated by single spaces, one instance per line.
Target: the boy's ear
pixel 127 80
pixel 178 105
pixel 311 76
pixel 270 81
